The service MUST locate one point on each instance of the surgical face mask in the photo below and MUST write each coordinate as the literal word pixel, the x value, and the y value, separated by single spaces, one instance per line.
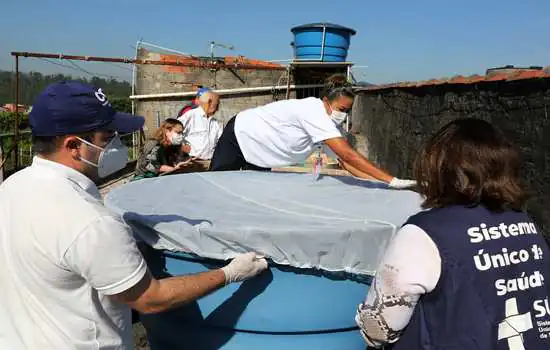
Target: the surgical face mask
pixel 176 139
pixel 338 117
pixel 112 158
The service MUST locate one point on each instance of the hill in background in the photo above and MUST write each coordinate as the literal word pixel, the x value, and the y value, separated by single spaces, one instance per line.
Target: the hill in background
pixel 32 83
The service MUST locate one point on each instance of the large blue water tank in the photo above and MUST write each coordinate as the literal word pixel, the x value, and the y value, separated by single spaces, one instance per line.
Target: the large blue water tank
pixel 321 42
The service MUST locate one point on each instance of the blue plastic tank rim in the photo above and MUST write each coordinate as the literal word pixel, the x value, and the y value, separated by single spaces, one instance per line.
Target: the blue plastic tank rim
pixel 335 275
pixel 321 25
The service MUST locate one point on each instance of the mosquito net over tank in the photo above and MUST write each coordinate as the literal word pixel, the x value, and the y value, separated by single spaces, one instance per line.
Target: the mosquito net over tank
pixel 333 223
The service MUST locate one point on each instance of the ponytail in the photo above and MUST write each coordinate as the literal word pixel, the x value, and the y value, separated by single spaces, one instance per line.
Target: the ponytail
pixel 335 86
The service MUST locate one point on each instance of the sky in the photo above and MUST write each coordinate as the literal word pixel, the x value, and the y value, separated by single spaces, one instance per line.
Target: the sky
pixel 396 40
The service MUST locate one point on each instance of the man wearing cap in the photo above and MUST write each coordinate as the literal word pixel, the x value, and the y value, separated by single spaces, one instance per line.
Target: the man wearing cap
pixel 194 103
pixel 200 130
pixel 70 268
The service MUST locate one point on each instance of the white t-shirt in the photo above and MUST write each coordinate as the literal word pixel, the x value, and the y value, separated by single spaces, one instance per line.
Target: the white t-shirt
pixel 283 132
pixel 201 132
pixel 62 253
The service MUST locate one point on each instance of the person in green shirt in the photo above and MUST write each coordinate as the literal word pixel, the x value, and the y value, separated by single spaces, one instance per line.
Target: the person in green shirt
pixel 163 152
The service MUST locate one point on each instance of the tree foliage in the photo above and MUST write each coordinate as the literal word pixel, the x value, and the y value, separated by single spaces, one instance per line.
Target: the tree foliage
pixel 32 83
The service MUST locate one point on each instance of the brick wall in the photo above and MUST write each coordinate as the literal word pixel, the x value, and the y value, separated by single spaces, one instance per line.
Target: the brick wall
pixel 153 79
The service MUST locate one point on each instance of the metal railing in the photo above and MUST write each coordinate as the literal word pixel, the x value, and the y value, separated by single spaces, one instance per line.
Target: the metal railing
pixel 25 151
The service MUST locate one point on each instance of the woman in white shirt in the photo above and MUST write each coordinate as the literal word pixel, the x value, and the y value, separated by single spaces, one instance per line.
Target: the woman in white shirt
pixel 285 132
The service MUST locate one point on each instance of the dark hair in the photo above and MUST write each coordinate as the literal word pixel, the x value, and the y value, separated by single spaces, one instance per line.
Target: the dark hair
pixel 48 145
pixel 470 162
pixel 336 86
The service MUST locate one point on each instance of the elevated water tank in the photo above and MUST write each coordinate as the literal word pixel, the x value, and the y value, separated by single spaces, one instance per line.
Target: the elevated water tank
pixel 321 42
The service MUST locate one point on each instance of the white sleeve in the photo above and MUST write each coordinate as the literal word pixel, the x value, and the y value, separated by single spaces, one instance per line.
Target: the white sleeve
pixel 220 130
pixel 411 266
pixel 184 119
pixel 105 254
pixel 315 121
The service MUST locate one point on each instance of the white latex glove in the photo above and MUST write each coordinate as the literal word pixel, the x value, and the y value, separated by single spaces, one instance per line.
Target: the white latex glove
pixel 243 267
pixel 401 183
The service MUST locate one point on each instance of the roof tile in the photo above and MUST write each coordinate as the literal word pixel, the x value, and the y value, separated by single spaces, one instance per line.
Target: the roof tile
pixel 227 60
pixel 496 77
pixel 528 74
pixel 476 78
pixel 505 75
pixel 458 79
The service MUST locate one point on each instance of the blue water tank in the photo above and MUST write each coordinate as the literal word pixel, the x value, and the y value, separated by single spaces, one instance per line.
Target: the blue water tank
pixel 325 42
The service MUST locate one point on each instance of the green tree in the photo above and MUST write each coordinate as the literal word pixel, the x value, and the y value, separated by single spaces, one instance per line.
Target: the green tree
pixel 32 83
pixel 121 104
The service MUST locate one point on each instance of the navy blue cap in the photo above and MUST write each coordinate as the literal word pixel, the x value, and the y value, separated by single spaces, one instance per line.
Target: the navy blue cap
pixel 72 107
pixel 201 91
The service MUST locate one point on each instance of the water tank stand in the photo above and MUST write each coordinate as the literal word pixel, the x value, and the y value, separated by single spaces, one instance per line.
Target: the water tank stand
pixel 288 77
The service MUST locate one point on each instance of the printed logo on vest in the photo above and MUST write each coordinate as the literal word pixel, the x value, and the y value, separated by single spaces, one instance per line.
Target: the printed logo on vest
pixel 542 310
pixel 514 324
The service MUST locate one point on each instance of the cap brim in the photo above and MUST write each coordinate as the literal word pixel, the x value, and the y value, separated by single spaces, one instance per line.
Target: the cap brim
pixel 126 123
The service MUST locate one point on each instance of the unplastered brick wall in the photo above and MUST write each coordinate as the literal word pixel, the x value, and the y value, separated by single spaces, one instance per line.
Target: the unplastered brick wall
pixel 157 110
pixel 395 122
pixel 157 79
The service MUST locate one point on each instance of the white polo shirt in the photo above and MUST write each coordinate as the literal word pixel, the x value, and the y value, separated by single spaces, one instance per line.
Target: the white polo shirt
pixel 284 132
pixel 62 253
pixel 201 132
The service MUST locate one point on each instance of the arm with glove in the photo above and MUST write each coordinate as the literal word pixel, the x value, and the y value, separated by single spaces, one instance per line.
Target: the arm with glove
pixel 359 166
pixel 151 295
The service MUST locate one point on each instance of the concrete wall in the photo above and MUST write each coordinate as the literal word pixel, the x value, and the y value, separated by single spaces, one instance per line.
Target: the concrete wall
pixel 152 79
pixel 393 123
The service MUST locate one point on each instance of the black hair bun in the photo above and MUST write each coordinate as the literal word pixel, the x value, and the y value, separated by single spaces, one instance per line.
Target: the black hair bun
pixel 336 81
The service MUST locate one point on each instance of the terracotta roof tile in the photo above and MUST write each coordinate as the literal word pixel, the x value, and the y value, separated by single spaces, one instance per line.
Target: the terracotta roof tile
pixel 458 79
pixel 496 75
pixel 528 74
pixel 476 78
pixel 229 60
pixel 247 61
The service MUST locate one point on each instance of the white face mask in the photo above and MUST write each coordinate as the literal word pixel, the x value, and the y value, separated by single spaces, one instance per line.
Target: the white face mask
pixel 176 139
pixel 111 159
pixel 338 117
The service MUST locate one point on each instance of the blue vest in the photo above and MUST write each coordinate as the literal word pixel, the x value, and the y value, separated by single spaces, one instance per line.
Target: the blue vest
pixel 493 292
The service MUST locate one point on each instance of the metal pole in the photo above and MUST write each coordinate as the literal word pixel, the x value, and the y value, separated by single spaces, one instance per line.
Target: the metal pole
pixel 135 138
pixel 16 131
pixel 163 48
pixel 348 78
pixel 323 44
pixel 228 91
pixel 196 62
pixel 134 78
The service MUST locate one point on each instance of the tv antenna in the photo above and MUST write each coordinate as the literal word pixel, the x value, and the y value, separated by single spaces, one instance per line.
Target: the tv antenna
pixel 214 44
